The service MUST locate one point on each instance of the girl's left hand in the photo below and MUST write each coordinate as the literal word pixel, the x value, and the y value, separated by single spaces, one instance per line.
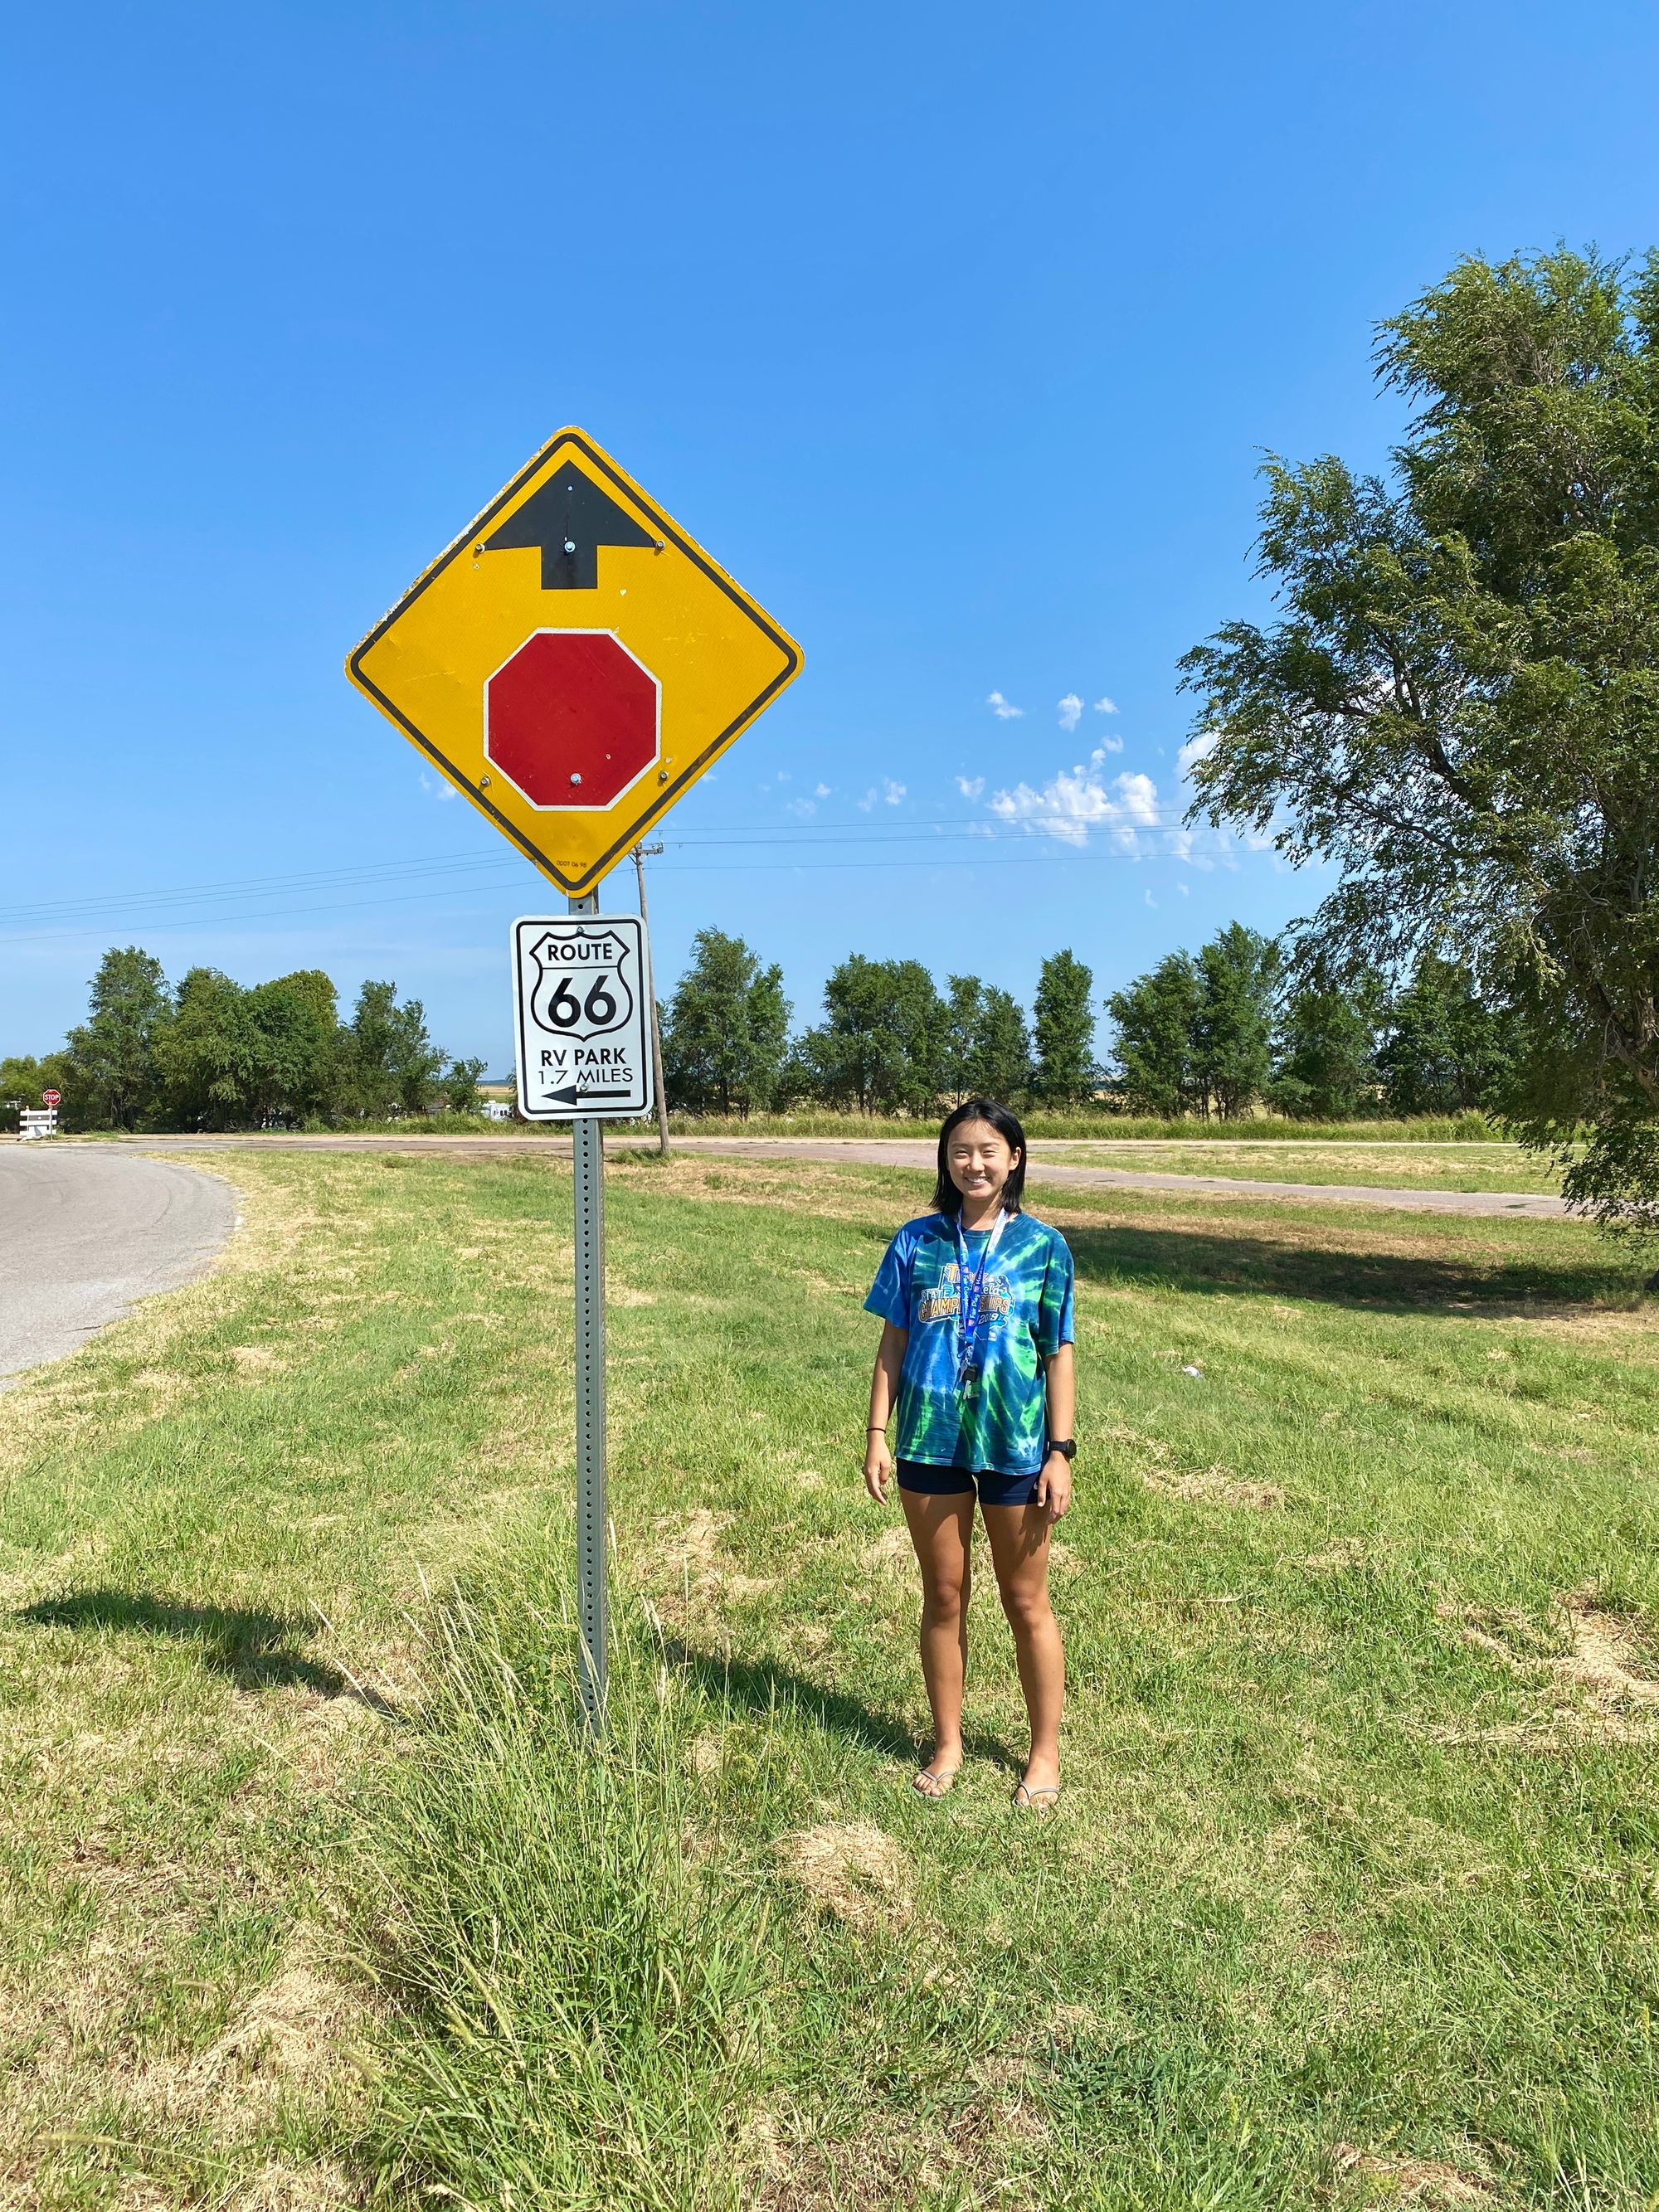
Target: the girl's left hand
pixel 1054 1489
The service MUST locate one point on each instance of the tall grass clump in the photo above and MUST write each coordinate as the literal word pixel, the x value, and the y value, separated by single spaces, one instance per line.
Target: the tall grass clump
pixel 579 1969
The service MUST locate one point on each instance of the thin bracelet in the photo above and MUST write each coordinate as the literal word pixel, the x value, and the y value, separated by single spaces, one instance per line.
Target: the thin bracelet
pixel 876 1429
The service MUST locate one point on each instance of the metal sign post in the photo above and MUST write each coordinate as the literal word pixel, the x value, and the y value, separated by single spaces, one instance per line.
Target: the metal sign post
pixel 582 1001
pixel 592 1521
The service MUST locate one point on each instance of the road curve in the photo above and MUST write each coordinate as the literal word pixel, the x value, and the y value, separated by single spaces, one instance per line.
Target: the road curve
pixel 84 1231
pixel 894 1151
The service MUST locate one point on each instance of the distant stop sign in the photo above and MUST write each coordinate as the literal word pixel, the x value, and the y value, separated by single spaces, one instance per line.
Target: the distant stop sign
pixel 572 719
pixel 52 1097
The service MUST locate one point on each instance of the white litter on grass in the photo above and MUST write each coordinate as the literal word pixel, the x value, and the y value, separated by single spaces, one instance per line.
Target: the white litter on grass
pixel 1197 1373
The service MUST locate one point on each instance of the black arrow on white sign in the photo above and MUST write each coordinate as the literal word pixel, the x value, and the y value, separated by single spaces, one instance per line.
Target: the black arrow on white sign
pixel 574 1095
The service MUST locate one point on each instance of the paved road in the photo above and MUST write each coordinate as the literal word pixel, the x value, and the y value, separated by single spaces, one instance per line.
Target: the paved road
pixel 84 1231
pixel 902 1152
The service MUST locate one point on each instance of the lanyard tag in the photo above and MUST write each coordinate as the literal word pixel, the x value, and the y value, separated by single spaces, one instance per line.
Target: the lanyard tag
pixel 970 1307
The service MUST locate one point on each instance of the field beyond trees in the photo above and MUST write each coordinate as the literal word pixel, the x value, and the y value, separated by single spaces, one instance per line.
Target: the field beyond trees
pixel 312 1897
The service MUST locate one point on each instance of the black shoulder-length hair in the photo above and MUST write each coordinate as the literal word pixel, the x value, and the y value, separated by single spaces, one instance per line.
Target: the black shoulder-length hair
pixel 947 1199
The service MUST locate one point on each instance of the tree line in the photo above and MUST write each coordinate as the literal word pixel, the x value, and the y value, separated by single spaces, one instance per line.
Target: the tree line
pixel 1214 1035
pixel 210 1054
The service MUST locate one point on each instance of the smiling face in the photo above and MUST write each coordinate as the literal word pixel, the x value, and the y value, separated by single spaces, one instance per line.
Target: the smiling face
pixel 981 1162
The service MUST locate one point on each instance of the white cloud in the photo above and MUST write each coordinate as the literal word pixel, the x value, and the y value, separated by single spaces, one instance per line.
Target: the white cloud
pixel 1186 890
pixel 784 776
pixel 1107 745
pixel 970 787
pixel 1070 712
pixel 820 791
pixel 1002 709
pixel 1197 749
pixel 436 788
pixel 799 807
pixel 889 794
pixel 1151 901
pixel 1077 801
pixel 1105 705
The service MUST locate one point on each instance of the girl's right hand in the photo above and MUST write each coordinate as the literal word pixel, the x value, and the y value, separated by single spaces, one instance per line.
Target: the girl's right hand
pixel 878 1468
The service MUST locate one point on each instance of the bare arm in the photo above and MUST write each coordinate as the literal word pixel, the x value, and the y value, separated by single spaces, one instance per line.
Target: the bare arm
pixel 1054 1484
pixel 884 1395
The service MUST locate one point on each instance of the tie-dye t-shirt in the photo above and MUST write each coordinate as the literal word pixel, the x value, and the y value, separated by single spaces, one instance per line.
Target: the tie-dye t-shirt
pixel 998 1424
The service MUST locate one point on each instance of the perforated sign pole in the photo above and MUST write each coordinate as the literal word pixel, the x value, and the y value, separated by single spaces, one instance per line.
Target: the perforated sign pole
pixel 591 1521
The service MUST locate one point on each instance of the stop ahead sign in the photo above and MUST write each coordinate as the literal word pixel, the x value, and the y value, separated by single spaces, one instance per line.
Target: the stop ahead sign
pixel 52 1097
pixel 573 662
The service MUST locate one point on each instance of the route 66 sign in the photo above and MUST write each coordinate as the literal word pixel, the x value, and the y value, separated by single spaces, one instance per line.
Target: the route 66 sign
pixel 582 1001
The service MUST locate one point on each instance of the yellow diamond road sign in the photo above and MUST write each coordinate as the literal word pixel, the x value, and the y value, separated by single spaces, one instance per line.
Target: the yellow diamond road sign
pixel 574 662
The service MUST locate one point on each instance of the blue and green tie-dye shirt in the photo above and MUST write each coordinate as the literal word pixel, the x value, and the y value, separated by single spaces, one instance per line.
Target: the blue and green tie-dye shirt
pixel 997 1425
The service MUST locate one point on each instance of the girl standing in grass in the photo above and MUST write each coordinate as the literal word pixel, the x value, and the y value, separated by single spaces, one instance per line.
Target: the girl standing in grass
pixel 975 1301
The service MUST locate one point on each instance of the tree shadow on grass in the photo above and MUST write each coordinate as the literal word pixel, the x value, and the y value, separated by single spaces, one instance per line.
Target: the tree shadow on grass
pixel 1492 1285
pixel 255 1649
pixel 762 1687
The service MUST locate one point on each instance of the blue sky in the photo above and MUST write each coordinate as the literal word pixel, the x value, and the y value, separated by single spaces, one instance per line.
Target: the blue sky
pixel 955 332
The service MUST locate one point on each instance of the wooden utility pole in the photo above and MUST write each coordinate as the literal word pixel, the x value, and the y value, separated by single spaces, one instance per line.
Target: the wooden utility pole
pixel 640 852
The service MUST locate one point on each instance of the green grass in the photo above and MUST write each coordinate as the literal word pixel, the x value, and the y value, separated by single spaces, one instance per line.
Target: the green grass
pixel 1083 1123
pixel 1420 1165
pixel 1358 1861
pixel 1097 1122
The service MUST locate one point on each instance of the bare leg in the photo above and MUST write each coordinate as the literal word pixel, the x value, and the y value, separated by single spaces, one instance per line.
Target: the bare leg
pixel 1020 1552
pixel 942 1529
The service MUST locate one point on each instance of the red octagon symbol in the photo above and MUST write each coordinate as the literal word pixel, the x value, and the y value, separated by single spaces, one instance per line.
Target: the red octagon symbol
pixel 571 718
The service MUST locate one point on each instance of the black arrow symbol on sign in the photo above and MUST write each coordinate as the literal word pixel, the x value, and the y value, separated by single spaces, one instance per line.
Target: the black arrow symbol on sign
pixel 575 1096
pixel 569 518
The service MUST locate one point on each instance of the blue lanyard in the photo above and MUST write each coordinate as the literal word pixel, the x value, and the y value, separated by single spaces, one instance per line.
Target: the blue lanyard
pixel 971 1297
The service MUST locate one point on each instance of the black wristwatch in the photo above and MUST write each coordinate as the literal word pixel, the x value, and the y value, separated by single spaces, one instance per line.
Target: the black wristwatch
pixel 1066 1450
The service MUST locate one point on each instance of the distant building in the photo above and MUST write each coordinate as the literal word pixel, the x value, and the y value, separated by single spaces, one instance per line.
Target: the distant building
pixel 497 1109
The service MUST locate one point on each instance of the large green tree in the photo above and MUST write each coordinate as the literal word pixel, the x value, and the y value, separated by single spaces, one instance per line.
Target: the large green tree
pixel 1445 1049
pixel 1325 1051
pixel 389 1065
pixel 234 1058
pixel 964 1013
pixel 725 1029
pixel 1000 1057
pixel 1063 1026
pixel 1152 1048
pixel 986 1048
pixel 1459 703
pixel 112 1054
pixel 881 1044
pixel 205 1063
pixel 1232 1023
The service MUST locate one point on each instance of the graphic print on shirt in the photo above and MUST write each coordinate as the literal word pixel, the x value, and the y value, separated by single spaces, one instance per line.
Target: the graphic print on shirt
pixel 998 1424
pixel 944 1302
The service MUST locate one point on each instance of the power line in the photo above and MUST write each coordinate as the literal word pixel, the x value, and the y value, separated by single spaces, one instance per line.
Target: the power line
pixel 177 909
pixel 736 836
pixel 202 921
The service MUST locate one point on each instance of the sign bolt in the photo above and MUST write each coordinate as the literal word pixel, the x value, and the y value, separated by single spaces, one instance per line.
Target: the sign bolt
pixel 569 544
pixel 575 778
